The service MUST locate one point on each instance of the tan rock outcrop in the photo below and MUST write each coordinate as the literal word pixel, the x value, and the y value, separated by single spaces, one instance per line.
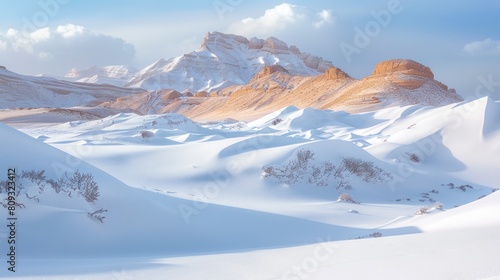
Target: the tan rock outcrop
pixel 393 83
pixel 201 94
pixel 170 94
pixel 274 45
pixel 405 66
pixel 268 70
pixel 335 73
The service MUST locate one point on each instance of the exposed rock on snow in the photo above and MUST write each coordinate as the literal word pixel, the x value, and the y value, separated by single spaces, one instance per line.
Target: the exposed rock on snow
pixel 268 70
pixel 335 73
pixel 404 66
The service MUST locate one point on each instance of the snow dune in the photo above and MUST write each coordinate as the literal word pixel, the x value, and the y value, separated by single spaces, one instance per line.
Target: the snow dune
pixel 198 201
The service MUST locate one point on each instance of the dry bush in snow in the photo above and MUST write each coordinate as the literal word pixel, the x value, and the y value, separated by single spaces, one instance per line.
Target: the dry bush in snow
pixel 303 169
pixel 346 197
pixel 98 215
pixel 364 169
pixel 413 157
pixel 277 121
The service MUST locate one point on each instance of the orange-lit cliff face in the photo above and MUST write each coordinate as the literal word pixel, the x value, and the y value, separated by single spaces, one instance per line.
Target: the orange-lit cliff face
pixel 393 83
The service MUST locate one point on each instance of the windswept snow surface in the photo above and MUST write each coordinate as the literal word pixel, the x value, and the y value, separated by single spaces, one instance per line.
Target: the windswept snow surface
pixel 260 200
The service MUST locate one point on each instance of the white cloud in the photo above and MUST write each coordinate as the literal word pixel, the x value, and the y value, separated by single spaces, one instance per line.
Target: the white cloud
pixel 325 17
pixel 55 51
pixel 12 32
pixel 70 30
pixel 41 35
pixel 284 18
pixel 485 47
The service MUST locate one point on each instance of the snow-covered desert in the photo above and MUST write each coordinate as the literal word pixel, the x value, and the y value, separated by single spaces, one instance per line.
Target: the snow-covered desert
pixel 247 159
pixel 404 192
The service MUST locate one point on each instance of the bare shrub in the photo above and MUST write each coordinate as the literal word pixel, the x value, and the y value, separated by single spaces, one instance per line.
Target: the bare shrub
pixel 85 184
pixel 268 171
pixel 98 214
pixel 463 188
pixel 301 169
pixel 413 157
pixel 32 197
pixel 147 134
pixel 344 185
pixel 295 168
pixel 37 177
pixel 303 157
pixel 58 185
pixel 17 204
pixel 277 121
pixel 364 169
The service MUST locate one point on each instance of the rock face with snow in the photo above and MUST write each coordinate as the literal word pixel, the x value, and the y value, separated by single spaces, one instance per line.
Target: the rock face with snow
pixel 224 60
pixel 393 83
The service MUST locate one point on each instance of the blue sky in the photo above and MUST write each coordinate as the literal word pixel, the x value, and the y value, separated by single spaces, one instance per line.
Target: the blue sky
pixel 459 40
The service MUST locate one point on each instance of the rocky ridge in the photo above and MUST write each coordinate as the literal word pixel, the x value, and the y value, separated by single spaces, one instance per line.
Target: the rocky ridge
pixel 398 82
pixel 224 60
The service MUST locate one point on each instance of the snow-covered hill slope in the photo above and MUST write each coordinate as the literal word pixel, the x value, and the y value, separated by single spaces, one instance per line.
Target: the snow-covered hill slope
pixel 289 193
pixel 19 91
pixel 224 60
pixel 413 154
pixel 117 75
pixel 54 220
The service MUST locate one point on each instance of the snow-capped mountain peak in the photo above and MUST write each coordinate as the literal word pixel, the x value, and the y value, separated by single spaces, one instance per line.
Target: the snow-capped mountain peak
pixel 223 60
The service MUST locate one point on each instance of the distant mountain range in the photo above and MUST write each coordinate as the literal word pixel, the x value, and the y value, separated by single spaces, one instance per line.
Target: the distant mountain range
pixel 230 76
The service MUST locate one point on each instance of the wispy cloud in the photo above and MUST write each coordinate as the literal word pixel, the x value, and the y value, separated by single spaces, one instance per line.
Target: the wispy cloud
pixel 481 48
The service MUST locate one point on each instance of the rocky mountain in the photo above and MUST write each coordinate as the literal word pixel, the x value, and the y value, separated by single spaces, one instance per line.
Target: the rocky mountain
pixel 397 82
pixel 222 60
pixel 231 76
pixel 118 75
